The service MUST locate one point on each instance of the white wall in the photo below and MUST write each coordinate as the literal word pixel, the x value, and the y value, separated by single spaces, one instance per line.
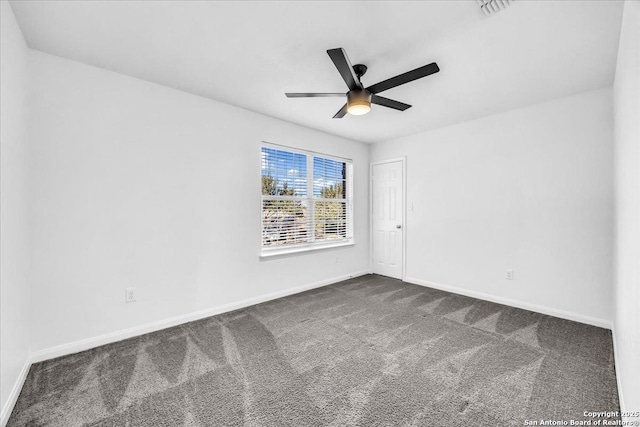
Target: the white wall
pixel 14 290
pixel 627 220
pixel 529 190
pixel 138 185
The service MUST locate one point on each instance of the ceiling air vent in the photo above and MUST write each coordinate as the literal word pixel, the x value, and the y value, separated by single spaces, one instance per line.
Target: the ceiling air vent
pixel 490 7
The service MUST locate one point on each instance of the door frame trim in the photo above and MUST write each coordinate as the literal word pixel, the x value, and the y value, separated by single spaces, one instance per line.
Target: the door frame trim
pixel 403 159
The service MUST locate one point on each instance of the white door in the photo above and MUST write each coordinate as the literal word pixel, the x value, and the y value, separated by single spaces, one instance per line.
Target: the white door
pixel 387 214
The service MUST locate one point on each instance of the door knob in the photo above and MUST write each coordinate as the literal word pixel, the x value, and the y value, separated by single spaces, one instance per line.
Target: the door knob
pixel 398 226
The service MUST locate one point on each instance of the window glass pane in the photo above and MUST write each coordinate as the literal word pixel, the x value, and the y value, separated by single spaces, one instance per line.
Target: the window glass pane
pixel 284 222
pixel 329 178
pixel 283 173
pixel 330 220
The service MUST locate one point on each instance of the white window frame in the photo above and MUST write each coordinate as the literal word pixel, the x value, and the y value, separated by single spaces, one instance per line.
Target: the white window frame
pixel 311 244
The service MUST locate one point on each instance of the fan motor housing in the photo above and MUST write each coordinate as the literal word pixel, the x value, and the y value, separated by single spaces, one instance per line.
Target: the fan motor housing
pixel 358 96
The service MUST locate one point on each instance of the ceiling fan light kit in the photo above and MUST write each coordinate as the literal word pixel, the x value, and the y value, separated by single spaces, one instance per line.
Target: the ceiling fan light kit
pixel 359 98
pixel 358 102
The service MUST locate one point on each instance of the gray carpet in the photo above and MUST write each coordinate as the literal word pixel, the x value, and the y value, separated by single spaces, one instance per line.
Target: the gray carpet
pixel 370 351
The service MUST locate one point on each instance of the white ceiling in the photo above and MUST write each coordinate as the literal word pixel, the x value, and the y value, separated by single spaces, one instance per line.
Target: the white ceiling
pixel 249 53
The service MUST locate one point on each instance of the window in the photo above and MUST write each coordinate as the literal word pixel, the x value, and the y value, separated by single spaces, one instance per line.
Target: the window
pixel 306 200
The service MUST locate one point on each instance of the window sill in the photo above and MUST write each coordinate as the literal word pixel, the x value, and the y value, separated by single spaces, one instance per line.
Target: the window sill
pixel 301 250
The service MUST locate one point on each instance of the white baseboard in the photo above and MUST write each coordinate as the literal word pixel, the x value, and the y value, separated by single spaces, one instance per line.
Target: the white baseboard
pixel 618 373
pixel 15 392
pixel 86 344
pixel 602 323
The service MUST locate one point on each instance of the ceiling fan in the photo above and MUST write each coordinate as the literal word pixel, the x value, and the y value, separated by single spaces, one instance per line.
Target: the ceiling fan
pixel 359 98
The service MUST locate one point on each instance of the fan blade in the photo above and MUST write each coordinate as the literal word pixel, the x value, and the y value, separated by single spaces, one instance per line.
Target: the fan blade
pixel 313 95
pixel 340 114
pixel 342 63
pixel 386 102
pixel 407 77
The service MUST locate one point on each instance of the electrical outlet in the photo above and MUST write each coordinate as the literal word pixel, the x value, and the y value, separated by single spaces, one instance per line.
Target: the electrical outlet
pixel 338 260
pixel 130 295
pixel 509 275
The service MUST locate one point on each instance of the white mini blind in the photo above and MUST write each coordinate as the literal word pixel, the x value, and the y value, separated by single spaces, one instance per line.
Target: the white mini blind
pixel 307 199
